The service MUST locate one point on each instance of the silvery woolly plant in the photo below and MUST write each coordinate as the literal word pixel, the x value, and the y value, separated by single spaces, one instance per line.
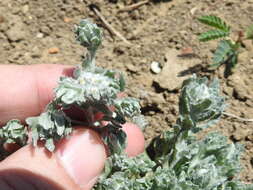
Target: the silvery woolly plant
pixel 92 92
pixel 176 159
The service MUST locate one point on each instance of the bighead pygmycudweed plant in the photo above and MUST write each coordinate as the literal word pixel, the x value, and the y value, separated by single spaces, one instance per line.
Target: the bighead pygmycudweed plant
pixel 93 91
pixel 174 160
pixel 228 49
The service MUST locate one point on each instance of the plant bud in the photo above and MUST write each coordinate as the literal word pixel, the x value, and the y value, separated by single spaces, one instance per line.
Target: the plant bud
pixel 200 102
pixel 88 34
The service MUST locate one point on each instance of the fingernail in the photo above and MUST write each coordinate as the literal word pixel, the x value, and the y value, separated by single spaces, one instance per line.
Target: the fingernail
pixel 83 157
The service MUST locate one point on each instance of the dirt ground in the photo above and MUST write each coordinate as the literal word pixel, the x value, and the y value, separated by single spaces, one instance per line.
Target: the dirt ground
pixel 41 31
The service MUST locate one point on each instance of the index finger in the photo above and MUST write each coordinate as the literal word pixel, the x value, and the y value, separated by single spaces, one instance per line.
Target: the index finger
pixel 26 90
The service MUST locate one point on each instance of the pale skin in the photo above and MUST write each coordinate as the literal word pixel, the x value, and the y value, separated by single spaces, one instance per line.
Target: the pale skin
pixel 77 162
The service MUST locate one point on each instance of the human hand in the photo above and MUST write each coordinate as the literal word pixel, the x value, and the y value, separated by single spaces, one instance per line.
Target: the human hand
pixel 77 161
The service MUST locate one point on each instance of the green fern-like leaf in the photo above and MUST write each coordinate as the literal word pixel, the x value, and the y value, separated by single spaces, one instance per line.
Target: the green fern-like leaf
pixel 212 34
pixel 215 22
pixel 249 32
pixel 222 52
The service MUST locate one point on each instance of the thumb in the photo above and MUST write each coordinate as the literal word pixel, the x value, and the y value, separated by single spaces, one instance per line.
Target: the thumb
pixel 76 164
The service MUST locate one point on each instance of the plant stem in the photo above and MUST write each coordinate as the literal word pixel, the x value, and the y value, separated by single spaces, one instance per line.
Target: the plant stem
pixel 89 61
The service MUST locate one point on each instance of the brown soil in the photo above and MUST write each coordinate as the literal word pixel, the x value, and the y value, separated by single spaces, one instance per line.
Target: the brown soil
pixel 41 31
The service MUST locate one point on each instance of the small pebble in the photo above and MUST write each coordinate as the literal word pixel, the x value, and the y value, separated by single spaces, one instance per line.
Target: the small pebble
pixel 156 67
pixel 25 8
pixel 53 50
pixel 186 51
pixel 193 10
pixel 1 19
pixel 67 20
pixel 40 35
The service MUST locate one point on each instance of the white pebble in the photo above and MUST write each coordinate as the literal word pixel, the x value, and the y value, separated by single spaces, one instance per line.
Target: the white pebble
pixel 156 67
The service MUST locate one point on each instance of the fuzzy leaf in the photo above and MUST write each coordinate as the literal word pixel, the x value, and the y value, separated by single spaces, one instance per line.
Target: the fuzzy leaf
pixel 161 146
pixel 114 138
pixel 69 91
pixel 50 145
pixel 202 102
pixel 122 83
pixel 45 121
pixel 127 106
pixel 32 122
pixel 88 87
pixel 140 121
pixel 49 126
pixel 124 170
pixel 13 132
pixel 237 185
pixel 215 22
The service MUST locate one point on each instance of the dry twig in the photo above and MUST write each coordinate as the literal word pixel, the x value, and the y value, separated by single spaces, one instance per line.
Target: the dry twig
pixel 133 6
pixel 108 26
pixel 237 117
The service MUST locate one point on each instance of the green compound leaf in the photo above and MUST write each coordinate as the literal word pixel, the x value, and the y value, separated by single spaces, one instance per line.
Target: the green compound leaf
pixel 212 35
pixel 249 32
pixel 215 22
